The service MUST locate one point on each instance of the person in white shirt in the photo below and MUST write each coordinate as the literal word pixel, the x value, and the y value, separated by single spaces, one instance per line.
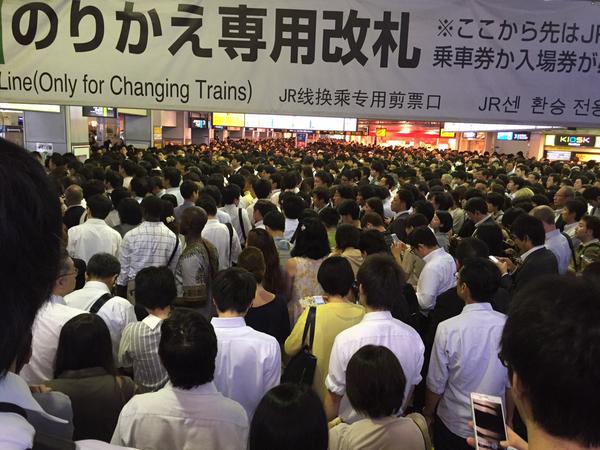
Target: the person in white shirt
pixel 239 216
pixel 48 323
pixel 94 236
pixel 380 282
pixel 571 214
pixel 292 206
pixel 225 239
pixel 149 244
pixel 438 274
pixel 172 179
pixel 465 359
pixel 96 297
pixel 260 209
pixel 188 412
pixel 248 362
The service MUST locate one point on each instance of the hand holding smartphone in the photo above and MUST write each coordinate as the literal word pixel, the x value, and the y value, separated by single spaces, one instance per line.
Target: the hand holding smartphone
pixel 488 421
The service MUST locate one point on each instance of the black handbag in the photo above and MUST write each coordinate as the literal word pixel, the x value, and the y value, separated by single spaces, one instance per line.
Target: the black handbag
pixel 302 366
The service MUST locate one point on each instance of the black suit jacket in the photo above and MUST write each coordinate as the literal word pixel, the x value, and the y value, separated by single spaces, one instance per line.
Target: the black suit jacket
pixel 398 226
pixel 488 221
pixel 539 263
pixel 73 216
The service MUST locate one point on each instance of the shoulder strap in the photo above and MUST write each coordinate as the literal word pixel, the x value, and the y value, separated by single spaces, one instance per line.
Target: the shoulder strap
pixel 572 248
pixel 12 408
pixel 98 304
pixel 242 223
pixel 174 250
pixel 310 325
pixel 230 228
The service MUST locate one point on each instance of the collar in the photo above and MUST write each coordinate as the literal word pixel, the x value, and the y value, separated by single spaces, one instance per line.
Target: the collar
pixel 570 226
pixel 78 205
pixel 483 220
pixel 228 322
pixel 529 252
pixel 94 221
pixel 401 213
pixel 161 193
pixel 481 306
pixel 188 202
pixel 433 254
pixel 152 321
pixel 551 234
pixel 590 242
pixel 213 221
pixel 203 389
pixel 57 300
pixel 14 389
pixel 97 285
pixel 377 315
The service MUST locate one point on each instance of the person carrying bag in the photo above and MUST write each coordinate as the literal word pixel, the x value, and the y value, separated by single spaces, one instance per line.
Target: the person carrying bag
pixel 302 366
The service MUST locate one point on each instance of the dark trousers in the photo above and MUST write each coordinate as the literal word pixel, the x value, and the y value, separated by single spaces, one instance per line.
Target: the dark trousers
pixel 444 439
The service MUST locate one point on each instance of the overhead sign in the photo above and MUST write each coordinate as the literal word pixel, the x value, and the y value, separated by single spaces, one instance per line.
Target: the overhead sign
pixel 99 111
pixel 575 141
pixel 484 60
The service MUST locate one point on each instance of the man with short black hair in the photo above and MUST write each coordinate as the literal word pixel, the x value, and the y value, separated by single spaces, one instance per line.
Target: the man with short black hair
pixel 349 213
pixel 380 282
pixel 477 212
pixel 222 236
pixel 437 275
pixel 189 193
pixel 464 358
pixel 588 233
pixel 248 362
pixel 292 206
pixel 401 206
pixel 189 410
pixel 536 260
pixel 94 236
pixel 172 178
pixel 101 275
pixel 550 345
pixel 259 210
pixel 149 244
pixel 274 222
pixel 239 216
pixel 571 214
pixel 154 291
pixel 320 198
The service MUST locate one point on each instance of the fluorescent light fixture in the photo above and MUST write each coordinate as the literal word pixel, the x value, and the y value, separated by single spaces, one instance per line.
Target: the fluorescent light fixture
pixel 462 127
pixel 301 122
pixel 30 107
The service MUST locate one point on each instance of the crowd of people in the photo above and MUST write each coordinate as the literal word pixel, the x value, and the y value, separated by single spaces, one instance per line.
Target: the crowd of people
pixel 258 295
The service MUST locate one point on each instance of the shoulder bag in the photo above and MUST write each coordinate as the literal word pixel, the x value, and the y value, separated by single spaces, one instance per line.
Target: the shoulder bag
pixel 302 366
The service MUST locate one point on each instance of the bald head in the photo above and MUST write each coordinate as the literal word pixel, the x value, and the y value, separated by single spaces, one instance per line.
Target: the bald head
pixel 73 195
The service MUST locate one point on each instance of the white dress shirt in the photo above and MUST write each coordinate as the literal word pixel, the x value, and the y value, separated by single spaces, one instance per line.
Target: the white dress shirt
pixel 93 236
pixel 376 328
pixel 223 217
pixel 117 312
pixel 570 230
pixel 113 219
pixel 558 244
pixel 465 359
pixel 177 193
pixel 16 433
pixel 290 228
pixel 232 210
pixel 150 244
pixel 173 418
pixel 46 331
pixel 218 235
pixel 248 362
pixel 387 207
pixel 436 277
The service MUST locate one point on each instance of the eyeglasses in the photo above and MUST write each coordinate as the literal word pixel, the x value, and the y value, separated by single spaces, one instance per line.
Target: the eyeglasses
pixel 68 274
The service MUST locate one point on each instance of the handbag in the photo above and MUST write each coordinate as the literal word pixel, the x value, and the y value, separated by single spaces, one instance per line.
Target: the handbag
pixel 302 366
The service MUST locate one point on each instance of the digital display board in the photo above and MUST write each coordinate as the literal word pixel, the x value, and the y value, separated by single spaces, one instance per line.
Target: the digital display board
pixel 228 120
pixel 99 111
pixel 574 141
pixel 504 136
pixel 198 123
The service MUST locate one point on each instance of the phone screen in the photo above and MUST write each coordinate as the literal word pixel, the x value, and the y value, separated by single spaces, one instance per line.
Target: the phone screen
pixel 493 259
pixel 488 419
pixel 319 300
pixel 395 238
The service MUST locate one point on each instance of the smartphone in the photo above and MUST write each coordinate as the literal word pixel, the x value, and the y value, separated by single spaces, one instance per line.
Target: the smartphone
pixel 319 300
pixel 488 421
pixel 395 238
pixel 493 259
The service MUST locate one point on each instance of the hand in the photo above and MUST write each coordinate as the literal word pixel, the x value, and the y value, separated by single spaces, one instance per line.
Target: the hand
pixel 513 440
pixel 39 389
pixel 505 265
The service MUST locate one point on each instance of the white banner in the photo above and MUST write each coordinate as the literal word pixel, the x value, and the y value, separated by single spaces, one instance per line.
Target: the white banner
pixel 508 61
